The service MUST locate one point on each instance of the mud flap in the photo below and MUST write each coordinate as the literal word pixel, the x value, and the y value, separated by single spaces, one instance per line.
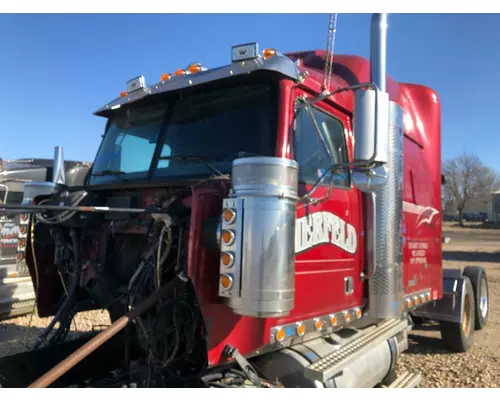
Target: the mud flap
pixel 451 307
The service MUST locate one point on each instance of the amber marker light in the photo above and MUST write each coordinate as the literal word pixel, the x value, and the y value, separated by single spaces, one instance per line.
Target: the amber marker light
pixel 301 329
pixel 359 313
pixel 228 237
pixel 194 68
pixel 333 320
pixel 280 334
pixel 21 242
pixel 165 77
pixel 229 215
pixel 180 72
pixel 226 281
pixel 22 229
pixel 416 300
pixel 227 259
pixel 347 316
pixel 123 94
pixel 409 303
pixel 318 324
pixel 268 53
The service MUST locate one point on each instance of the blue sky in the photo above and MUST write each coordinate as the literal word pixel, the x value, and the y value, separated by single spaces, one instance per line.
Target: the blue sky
pixel 58 69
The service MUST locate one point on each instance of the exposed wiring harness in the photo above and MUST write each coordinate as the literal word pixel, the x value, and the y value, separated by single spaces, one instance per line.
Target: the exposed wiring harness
pixel 66 311
pixel 172 332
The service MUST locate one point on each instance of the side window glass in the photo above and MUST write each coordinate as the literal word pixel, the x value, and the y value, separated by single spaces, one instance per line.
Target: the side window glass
pixel 310 151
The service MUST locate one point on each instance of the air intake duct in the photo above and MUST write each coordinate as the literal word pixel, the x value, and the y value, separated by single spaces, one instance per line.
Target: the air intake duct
pixel 257 264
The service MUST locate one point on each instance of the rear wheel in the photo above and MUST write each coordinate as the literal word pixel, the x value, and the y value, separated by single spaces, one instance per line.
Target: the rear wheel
pixel 479 281
pixel 458 336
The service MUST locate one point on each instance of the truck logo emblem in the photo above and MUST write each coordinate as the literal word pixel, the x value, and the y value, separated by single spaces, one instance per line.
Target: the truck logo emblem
pixel 322 228
pixel 242 52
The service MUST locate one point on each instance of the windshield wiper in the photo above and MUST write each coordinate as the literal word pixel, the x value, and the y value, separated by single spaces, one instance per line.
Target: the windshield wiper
pixel 201 159
pixel 110 172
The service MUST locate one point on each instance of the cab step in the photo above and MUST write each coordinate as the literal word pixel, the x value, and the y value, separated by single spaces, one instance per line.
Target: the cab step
pixel 406 380
pixel 335 362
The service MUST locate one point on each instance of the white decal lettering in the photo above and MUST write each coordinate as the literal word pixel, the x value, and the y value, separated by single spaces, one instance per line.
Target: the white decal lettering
pixel 9 229
pixel 322 228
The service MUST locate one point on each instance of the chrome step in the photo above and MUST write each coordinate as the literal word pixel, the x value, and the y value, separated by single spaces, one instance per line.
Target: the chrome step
pixel 336 361
pixel 406 380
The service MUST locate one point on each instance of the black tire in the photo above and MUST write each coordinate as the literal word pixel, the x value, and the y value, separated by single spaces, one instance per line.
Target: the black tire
pixel 479 281
pixel 456 336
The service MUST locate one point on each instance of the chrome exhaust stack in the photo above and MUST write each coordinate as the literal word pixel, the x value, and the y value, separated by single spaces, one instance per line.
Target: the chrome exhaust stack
pixel 378 153
pixel 39 188
pixel 58 174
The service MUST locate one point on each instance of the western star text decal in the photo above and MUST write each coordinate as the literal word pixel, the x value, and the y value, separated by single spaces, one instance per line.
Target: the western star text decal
pixel 8 234
pixel 324 228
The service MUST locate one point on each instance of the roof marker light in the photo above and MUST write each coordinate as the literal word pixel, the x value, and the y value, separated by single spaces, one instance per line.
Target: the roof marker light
pixel 165 77
pixel 123 94
pixel 180 72
pixel 268 53
pixel 195 68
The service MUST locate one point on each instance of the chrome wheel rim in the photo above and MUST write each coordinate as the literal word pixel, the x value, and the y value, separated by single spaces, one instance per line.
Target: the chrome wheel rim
pixel 466 322
pixel 483 302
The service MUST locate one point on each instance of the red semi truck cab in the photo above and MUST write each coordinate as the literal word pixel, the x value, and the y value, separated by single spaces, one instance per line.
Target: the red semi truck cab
pixel 305 219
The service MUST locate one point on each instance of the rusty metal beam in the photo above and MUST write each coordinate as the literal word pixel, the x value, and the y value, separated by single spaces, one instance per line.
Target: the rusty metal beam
pixel 93 344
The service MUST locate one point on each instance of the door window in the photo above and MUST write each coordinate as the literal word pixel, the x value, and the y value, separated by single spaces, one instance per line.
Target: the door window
pixel 310 151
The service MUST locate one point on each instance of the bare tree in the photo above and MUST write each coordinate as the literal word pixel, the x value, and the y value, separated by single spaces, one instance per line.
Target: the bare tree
pixel 467 178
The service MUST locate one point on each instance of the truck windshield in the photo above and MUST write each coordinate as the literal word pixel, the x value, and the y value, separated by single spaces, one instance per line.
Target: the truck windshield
pixel 200 134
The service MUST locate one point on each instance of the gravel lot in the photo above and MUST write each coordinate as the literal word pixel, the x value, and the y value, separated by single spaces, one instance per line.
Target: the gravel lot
pixel 480 367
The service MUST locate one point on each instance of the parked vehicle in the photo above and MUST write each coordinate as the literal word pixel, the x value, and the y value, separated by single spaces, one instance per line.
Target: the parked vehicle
pixel 17 296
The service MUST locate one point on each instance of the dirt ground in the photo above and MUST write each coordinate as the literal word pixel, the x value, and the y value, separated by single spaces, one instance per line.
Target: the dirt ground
pixel 480 367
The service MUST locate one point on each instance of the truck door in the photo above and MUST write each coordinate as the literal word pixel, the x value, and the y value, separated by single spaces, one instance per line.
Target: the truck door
pixel 328 244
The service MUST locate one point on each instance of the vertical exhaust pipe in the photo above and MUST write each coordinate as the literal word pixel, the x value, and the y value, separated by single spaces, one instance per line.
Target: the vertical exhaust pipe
pixel 378 51
pixel 58 173
pixel 386 201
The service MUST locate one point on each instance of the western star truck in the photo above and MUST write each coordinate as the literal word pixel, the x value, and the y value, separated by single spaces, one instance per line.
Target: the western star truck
pixel 273 222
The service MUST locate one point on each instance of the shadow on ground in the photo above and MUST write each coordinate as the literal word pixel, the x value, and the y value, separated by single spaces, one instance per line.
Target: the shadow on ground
pixel 471 256
pixel 420 344
pixel 476 225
